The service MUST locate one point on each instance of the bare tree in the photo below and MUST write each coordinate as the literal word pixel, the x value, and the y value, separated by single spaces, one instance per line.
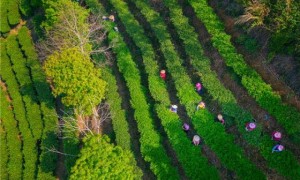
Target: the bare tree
pixel 254 15
pixel 74 29
pixel 82 124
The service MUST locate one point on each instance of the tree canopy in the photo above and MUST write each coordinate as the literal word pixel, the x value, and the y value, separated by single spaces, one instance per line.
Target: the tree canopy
pixel 101 160
pixel 281 18
pixel 75 79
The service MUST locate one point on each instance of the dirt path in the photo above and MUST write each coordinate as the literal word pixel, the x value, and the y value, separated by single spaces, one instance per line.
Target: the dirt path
pixel 205 150
pixel 60 171
pixel 4 88
pixel 256 61
pixel 16 29
pixel 244 100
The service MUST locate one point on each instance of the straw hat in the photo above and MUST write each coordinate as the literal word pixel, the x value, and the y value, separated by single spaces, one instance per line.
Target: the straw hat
pixel 174 106
pixel 277 134
pixel 220 117
pixel 112 17
pixel 196 138
pixel 252 125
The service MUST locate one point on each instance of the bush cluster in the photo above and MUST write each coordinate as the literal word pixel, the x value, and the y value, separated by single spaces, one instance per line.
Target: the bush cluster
pixel 13 14
pixel 4 26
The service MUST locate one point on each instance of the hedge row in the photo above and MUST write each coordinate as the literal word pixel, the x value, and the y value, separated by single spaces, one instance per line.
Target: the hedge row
pixel 26 87
pixel 26 122
pixel 118 116
pixel 286 115
pixel 224 96
pixel 14 166
pixel 194 165
pixel 49 139
pixel 223 144
pixel 13 14
pixel 4 26
pixel 4 153
pixel 151 148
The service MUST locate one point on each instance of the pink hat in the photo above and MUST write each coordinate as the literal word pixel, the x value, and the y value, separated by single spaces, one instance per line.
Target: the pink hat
pixel 280 147
pixel 277 134
pixel 252 125
pixel 198 85
pixel 186 126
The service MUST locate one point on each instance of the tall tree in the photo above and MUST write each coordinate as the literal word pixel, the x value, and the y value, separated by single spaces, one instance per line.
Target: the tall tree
pixel 74 78
pixel 101 160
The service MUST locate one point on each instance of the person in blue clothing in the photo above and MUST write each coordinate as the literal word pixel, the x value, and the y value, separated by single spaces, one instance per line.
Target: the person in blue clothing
pixel 277 148
pixel 174 108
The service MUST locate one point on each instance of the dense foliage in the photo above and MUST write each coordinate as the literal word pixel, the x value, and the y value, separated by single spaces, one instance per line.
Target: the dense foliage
pixel 99 159
pixel 66 26
pixel 75 79
pixel 280 17
pixel 262 92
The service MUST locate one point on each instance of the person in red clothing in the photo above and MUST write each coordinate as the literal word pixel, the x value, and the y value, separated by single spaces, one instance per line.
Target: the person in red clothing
pixel 250 126
pixel 163 74
pixel 276 136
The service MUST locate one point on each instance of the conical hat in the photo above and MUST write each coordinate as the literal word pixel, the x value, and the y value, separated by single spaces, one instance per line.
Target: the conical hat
pixel 252 125
pixel 163 71
pixel 196 138
pixel 186 126
pixel 280 147
pixel 174 106
pixel 277 134
pixel 220 117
